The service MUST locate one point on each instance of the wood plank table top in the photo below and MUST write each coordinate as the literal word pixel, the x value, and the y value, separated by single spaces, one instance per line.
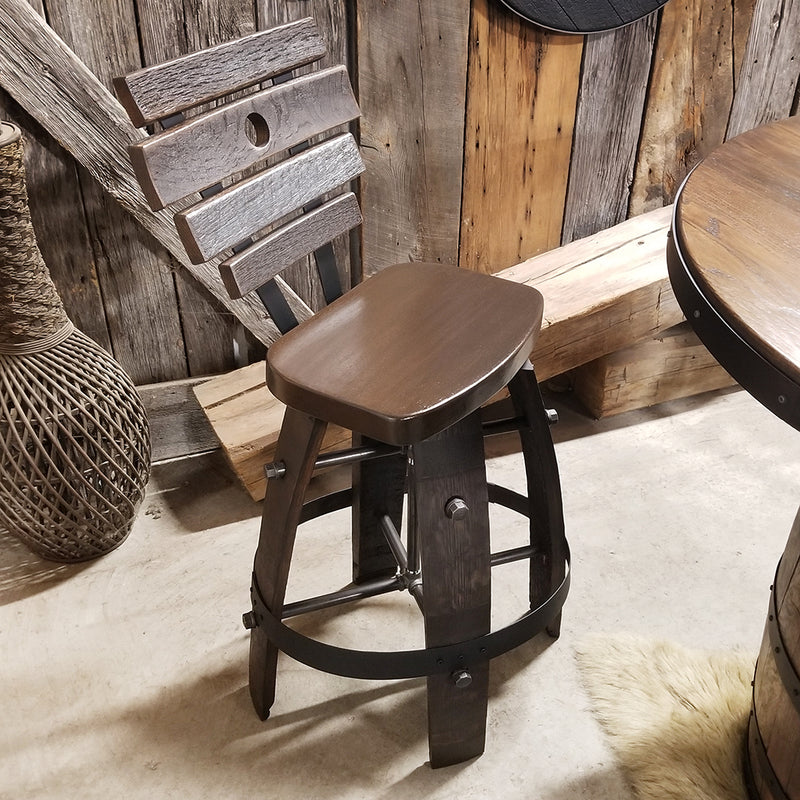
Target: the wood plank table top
pixel 583 16
pixel 734 260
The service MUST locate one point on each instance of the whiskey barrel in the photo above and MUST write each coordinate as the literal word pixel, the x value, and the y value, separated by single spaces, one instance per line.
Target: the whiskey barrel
pixel 773 745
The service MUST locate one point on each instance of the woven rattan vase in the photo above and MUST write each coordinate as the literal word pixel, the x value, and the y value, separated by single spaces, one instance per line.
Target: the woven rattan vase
pixel 74 439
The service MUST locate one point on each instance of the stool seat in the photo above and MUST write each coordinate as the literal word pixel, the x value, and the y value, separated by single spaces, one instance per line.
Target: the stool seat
pixel 360 361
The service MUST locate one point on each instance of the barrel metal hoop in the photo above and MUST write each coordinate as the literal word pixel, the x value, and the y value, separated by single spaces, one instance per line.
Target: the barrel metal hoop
pixel 765 770
pixel 786 670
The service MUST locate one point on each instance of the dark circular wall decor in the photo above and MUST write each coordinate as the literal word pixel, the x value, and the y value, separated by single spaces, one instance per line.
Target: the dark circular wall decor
pixel 583 16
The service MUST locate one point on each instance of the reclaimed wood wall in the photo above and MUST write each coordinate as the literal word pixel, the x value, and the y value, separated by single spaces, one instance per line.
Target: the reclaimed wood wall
pixel 487 140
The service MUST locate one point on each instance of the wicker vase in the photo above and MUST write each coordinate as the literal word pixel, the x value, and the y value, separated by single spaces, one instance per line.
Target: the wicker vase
pixel 74 439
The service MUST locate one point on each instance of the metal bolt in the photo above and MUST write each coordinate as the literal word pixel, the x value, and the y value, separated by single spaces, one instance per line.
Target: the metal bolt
pixel 696 313
pixel 275 469
pixel 249 620
pixel 456 508
pixel 462 678
pixel 552 416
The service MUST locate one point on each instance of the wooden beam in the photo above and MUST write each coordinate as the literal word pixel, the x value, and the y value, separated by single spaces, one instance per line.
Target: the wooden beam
pixel 50 82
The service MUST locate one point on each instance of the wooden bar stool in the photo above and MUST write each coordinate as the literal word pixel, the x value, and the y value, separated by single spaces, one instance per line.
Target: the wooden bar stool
pixel 405 360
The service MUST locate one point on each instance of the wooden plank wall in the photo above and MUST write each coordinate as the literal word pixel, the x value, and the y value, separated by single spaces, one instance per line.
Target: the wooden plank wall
pixel 487 140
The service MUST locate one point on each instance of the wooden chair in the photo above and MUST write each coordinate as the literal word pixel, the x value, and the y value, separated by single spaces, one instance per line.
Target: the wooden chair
pixel 405 360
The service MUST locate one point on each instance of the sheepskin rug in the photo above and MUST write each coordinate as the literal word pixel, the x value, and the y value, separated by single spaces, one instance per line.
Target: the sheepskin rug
pixel 676 718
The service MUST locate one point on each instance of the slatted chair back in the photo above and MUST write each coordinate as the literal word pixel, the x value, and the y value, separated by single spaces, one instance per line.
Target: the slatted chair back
pixel 227 154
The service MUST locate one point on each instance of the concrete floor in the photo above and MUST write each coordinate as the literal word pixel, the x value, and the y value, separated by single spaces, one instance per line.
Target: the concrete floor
pixel 127 677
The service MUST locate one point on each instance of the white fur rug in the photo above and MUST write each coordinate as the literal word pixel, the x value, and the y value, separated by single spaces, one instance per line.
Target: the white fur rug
pixel 676 718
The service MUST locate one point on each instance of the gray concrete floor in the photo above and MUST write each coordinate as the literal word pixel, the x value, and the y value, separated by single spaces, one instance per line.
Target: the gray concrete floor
pixel 127 676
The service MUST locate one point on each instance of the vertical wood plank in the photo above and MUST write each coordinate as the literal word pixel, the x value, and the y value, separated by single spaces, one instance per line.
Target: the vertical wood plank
pixel 56 206
pixel 770 70
pixel 168 30
pixel 137 284
pixel 690 97
pixel 412 60
pixel 520 113
pixel 334 23
pixel 616 67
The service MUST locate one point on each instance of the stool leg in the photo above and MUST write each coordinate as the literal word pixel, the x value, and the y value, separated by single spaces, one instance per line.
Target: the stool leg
pixel 548 566
pixel 298 445
pixel 378 489
pixel 456 568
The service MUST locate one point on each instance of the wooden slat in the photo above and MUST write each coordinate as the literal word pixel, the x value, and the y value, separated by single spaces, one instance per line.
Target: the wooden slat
pixel 412 81
pixel 616 67
pixel 215 339
pixel 243 209
pixel 522 91
pixel 601 294
pixel 164 89
pixel 131 268
pixel 56 88
pixel 769 77
pixel 206 149
pixel 690 96
pixel 253 267
pixel 675 364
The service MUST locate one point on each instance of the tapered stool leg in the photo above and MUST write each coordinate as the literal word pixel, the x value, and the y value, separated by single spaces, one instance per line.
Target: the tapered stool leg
pixel 548 564
pixel 378 489
pixel 448 507
pixel 298 445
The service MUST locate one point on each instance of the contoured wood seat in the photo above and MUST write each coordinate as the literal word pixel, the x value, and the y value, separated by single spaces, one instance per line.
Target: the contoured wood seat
pixel 406 360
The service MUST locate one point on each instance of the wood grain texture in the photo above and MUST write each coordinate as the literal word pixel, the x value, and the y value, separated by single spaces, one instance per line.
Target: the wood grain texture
pixel 673 365
pixel 168 28
pixel 243 209
pixel 132 268
pixel 253 267
pixel 172 86
pixel 769 77
pixel 522 91
pixel 616 67
pixel 206 149
pixel 738 228
pixel 690 95
pixel 412 61
pixel 57 89
pixel 584 17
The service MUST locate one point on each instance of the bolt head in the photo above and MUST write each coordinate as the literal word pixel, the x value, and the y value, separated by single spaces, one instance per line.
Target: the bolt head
pixel 456 508
pixel 462 679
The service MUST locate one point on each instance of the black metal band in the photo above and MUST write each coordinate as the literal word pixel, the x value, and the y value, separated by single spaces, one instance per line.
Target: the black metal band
pixel 764 381
pixel 380 665
pixel 783 663
pixel 755 744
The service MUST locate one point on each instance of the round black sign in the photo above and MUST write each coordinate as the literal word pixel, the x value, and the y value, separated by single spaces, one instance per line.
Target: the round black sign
pixel 583 16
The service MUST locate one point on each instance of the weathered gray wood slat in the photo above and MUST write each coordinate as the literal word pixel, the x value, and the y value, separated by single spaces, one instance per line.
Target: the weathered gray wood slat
pixel 616 66
pixel 230 217
pixel 215 340
pixel 333 20
pixel 412 90
pixel 61 93
pixel 206 149
pixel 132 269
pixel 172 86
pixel 768 81
pixel 253 267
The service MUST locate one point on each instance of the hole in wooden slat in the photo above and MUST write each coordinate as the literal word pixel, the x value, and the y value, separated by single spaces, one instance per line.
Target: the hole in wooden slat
pixel 257 129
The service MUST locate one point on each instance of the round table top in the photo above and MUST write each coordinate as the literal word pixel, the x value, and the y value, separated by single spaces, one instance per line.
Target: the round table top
pixel 583 16
pixel 737 230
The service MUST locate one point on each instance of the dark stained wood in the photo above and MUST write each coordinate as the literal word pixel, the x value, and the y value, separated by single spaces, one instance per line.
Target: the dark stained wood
pixel 298 446
pixel 412 61
pixel 456 580
pixel 584 16
pixel 616 68
pixel 358 362
pixel 175 85
pixel 738 228
pixel 205 150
